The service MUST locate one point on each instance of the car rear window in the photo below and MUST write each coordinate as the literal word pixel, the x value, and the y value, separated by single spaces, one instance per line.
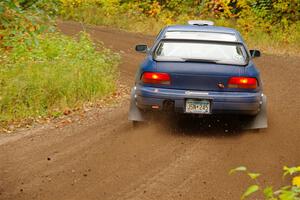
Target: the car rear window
pixel 185 51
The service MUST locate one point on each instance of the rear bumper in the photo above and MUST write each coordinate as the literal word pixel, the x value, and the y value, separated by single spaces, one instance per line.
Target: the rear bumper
pixel 150 98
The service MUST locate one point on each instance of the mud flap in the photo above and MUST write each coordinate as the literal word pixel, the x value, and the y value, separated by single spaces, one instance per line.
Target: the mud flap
pixel 260 121
pixel 135 114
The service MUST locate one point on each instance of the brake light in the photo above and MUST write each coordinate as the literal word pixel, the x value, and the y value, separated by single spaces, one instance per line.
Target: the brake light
pixel 242 82
pixel 156 78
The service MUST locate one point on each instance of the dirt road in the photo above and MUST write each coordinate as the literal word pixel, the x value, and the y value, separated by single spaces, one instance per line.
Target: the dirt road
pixel 105 159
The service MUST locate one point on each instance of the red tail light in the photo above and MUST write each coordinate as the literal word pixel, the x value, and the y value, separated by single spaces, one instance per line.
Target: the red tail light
pixel 242 82
pixel 156 78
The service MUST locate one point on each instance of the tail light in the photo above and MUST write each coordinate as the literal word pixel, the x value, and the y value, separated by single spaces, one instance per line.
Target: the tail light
pixel 242 82
pixel 156 78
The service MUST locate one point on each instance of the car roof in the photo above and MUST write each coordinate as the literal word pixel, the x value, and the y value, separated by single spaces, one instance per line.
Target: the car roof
pixel 218 30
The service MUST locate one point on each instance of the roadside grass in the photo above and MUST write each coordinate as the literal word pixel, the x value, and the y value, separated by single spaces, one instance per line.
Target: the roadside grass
pixel 58 73
pixel 269 39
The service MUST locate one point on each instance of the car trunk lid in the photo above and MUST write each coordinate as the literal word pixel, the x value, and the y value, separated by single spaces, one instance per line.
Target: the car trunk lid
pixel 200 76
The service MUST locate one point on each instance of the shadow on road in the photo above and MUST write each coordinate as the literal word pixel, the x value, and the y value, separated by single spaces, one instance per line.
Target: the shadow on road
pixel 204 126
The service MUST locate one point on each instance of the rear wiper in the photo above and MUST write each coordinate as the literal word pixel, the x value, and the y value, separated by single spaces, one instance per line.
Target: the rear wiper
pixel 200 60
pixel 178 59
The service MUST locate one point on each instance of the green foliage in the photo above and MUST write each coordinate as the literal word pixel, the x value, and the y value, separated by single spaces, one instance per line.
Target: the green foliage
pixel 43 72
pixel 238 169
pixel 21 21
pixel 59 73
pixel 290 170
pixel 272 26
pixel 250 190
pixel 290 192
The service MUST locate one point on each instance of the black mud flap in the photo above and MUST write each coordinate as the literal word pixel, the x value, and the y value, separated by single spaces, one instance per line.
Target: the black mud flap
pixel 135 114
pixel 260 121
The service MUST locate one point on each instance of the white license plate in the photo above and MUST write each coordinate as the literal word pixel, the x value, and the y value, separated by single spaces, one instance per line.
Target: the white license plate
pixel 197 106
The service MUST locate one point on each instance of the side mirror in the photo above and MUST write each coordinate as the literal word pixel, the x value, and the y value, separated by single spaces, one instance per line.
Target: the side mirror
pixel 255 53
pixel 142 48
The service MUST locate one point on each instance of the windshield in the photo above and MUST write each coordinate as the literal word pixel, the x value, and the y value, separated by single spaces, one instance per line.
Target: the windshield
pixel 196 51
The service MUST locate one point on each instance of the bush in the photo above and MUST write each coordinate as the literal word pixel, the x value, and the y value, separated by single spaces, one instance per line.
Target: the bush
pixel 58 73
pixel 272 26
pixel 287 192
pixel 22 21
pixel 43 72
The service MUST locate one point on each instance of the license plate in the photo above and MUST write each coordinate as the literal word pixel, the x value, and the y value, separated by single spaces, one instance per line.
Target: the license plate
pixel 197 106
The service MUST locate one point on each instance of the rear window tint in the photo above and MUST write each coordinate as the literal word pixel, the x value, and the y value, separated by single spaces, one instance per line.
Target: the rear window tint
pixel 187 51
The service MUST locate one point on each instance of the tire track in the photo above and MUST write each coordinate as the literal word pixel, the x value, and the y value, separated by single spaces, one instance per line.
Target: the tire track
pixel 158 183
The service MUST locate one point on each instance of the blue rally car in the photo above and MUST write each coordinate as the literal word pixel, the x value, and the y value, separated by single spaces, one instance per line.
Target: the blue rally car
pixel 199 69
